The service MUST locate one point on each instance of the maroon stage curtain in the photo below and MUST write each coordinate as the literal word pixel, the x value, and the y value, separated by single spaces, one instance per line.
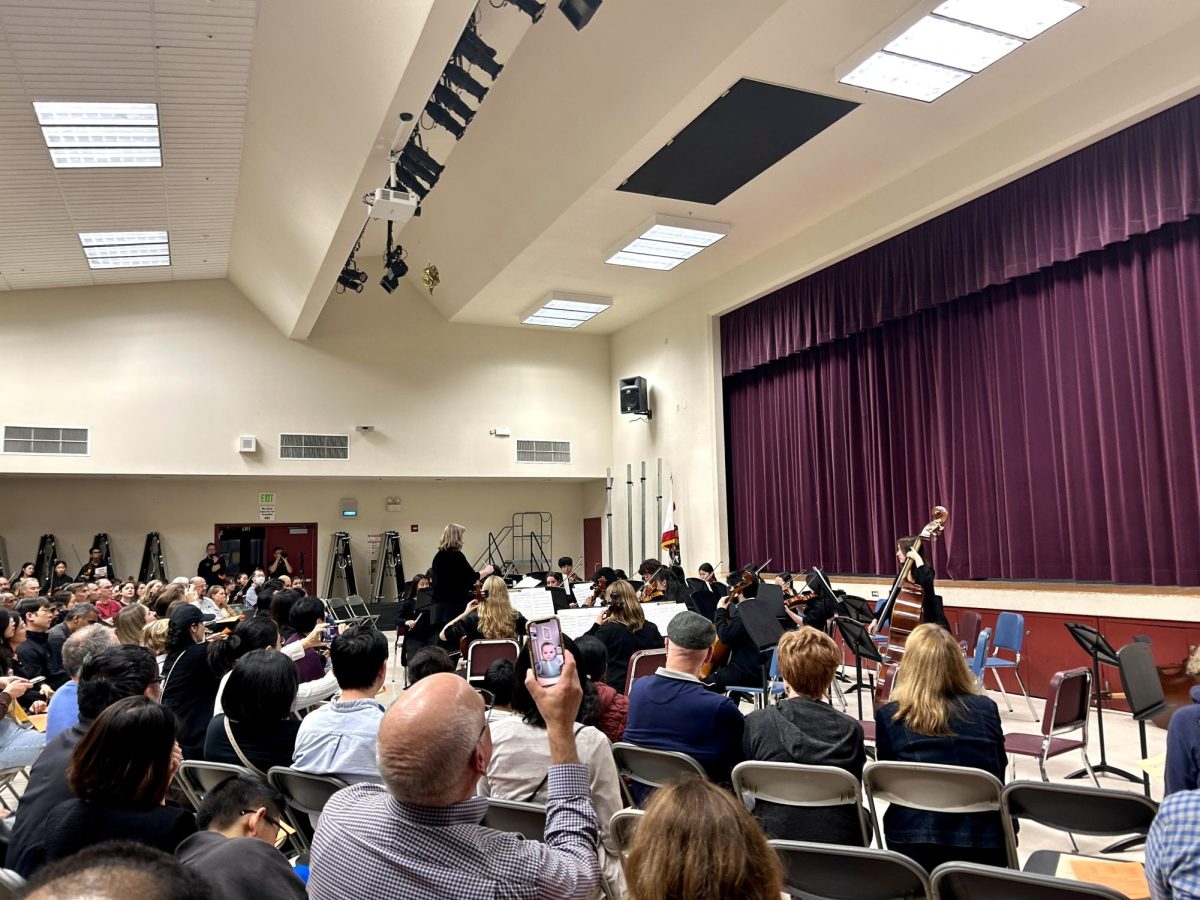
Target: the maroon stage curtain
pixel 1128 184
pixel 1056 415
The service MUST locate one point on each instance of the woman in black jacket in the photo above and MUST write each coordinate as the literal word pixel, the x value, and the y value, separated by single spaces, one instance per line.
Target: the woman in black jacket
pixel 623 629
pixel 189 686
pixel 452 576
pixel 937 715
pixel 804 729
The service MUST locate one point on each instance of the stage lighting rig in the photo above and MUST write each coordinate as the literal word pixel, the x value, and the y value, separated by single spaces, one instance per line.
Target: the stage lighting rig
pixel 472 48
pixel 451 102
pixel 531 8
pixel 415 153
pixel 351 278
pixel 460 78
pixel 443 118
pixel 395 268
pixel 410 181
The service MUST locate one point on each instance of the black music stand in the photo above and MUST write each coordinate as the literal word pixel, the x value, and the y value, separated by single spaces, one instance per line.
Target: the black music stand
pixel 856 608
pixel 856 636
pixel 1096 646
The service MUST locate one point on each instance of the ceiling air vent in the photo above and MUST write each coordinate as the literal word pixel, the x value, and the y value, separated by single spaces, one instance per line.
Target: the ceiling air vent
pixel 314 446
pixel 543 451
pixel 38 440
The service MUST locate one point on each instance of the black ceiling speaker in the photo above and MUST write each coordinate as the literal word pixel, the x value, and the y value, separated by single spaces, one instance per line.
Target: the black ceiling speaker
pixel 579 12
pixel 635 397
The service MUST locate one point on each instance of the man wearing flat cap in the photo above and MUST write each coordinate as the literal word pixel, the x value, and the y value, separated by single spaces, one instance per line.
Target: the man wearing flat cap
pixel 673 710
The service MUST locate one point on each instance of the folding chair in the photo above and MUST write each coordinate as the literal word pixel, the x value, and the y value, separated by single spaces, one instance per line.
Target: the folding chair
pixel 932 787
pixel 969 626
pixel 340 612
pixel 358 607
pixel 1067 708
pixel 526 819
pixel 831 872
pixel 7 777
pixel 644 662
pixel 12 885
pixel 623 825
pixel 971 881
pixel 306 796
pixel 979 659
pixel 196 777
pixel 651 768
pixel 1010 636
pixel 481 654
pixel 774 686
pixel 794 784
pixel 1075 809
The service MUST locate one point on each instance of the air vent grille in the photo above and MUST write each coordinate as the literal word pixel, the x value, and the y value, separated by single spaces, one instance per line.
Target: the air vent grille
pixel 314 446
pixel 40 440
pixel 544 451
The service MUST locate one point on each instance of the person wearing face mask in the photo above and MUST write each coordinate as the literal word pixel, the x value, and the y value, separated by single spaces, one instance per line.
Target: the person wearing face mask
pixel 250 598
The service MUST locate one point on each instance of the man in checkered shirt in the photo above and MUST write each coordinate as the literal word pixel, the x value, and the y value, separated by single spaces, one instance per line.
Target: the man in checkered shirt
pixel 419 835
pixel 1173 848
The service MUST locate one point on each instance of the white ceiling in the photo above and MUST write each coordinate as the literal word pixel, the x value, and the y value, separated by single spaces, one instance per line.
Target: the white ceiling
pixel 528 201
pixel 192 57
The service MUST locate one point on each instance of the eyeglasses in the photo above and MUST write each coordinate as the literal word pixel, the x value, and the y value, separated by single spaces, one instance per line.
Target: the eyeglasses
pixel 488 698
pixel 249 812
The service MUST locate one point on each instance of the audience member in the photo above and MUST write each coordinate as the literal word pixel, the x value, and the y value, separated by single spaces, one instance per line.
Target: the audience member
pixel 130 622
pixel 13 631
pixel 282 602
pixel 521 759
pixel 126 593
pixel 341 738
pixel 59 578
pixel 211 569
pixel 218 595
pixel 75 617
pixel 1183 745
pixel 118 870
pixel 498 681
pixel 154 639
pixel 7 600
pixel 104 678
pixel 88 572
pixel 167 598
pixel 197 595
pixel 260 633
pixel 697 842
pixel 804 729
pixel 106 604
pixel 19 746
pixel 493 619
pixel 26 588
pixel 63 712
pixel 428 661
pixel 418 836
pixel 1173 848
pixel 306 613
pixel 189 685
pixel 34 658
pixel 120 773
pixel 256 730
pixel 937 715
pixel 612 707
pixel 234 850
pixel 623 630
pixel 673 710
pixel 249 596
pixel 279 566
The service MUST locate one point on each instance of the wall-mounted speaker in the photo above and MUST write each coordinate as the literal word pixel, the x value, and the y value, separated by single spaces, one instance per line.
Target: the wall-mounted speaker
pixel 635 397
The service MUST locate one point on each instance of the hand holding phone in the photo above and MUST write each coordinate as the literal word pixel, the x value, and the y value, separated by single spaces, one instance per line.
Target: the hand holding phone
pixel 546 649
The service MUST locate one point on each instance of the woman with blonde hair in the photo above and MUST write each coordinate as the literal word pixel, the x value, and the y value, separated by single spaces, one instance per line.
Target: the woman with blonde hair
pixel 623 630
pixel 154 639
pixel 453 578
pixel 803 728
pixel 493 619
pixel 130 621
pixel 697 842
pixel 938 715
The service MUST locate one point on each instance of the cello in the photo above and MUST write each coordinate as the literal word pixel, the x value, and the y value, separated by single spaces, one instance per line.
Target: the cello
pixel 905 607
pixel 720 650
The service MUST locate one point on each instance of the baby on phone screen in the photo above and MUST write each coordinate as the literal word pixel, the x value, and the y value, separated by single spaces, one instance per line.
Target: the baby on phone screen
pixel 550 665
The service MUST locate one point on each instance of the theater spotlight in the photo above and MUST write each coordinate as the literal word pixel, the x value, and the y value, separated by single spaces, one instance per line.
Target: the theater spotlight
pixel 395 269
pixel 447 121
pixel 418 171
pixel 351 278
pixel 472 48
pixel 415 153
pixel 461 78
pixel 411 182
pixel 579 12
pixel 454 103
pixel 531 8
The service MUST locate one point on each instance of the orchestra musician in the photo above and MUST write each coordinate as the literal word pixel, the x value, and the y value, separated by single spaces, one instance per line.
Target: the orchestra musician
pixel 453 578
pixel 743 666
pixel 566 569
pixel 714 583
pixel 921 577
pixel 812 609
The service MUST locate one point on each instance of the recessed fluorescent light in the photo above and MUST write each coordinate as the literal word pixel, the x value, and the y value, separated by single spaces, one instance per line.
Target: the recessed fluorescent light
pixel 125 249
pixel 565 310
pixel 904 77
pixel 664 242
pixel 1022 18
pixel 100 135
pixel 953 44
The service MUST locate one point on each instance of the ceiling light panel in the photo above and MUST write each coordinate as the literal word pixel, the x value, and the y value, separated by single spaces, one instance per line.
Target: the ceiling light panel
pixel 551 323
pixel 133 250
pixel 101 238
pixel 904 77
pixel 664 242
pixel 133 262
pixel 125 249
pixel 1022 18
pixel 100 135
pixel 566 310
pixel 954 44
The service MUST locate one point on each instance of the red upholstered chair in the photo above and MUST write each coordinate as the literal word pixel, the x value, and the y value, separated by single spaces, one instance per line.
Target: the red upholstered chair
pixel 481 654
pixel 644 662
pixel 1067 708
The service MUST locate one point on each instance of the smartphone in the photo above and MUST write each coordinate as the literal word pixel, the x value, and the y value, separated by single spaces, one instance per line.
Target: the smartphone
pixel 546 649
pixel 329 633
pixel 37 680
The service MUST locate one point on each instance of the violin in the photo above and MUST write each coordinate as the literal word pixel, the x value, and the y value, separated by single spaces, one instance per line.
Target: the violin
pixel 651 592
pixel 905 606
pixel 598 590
pixel 721 650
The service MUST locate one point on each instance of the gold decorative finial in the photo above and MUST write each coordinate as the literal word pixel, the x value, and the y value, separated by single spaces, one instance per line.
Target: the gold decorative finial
pixel 430 277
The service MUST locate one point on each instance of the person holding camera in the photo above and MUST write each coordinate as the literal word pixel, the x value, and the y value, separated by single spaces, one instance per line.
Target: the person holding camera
pixel 279 564
pixel 212 568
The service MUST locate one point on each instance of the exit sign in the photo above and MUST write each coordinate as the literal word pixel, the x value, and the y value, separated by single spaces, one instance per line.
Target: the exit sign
pixel 266 499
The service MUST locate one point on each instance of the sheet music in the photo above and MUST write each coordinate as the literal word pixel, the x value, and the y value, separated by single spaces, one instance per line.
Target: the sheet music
pixel 526 582
pixel 661 614
pixel 576 622
pixel 582 591
pixel 532 604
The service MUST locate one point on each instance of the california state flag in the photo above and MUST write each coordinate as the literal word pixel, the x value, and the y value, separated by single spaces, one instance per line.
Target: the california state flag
pixel 670 534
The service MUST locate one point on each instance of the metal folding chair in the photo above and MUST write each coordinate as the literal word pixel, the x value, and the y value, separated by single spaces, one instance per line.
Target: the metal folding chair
pixel 832 872
pixel 526 819
pixel 1067 708
pixel 1010 636
pixel 651 768
pixel 971 881
pixel 306 795
pixel 481 654
pixel 794 784
pixel 642 663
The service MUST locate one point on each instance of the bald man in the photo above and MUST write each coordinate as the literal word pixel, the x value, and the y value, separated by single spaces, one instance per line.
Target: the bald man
pixel 419 835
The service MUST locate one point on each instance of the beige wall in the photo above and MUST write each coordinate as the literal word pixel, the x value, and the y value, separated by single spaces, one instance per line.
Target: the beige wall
pixel 168 375
pixel 184 511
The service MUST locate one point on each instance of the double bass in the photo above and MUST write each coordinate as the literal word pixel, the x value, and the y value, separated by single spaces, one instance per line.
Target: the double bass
pixel 905 607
